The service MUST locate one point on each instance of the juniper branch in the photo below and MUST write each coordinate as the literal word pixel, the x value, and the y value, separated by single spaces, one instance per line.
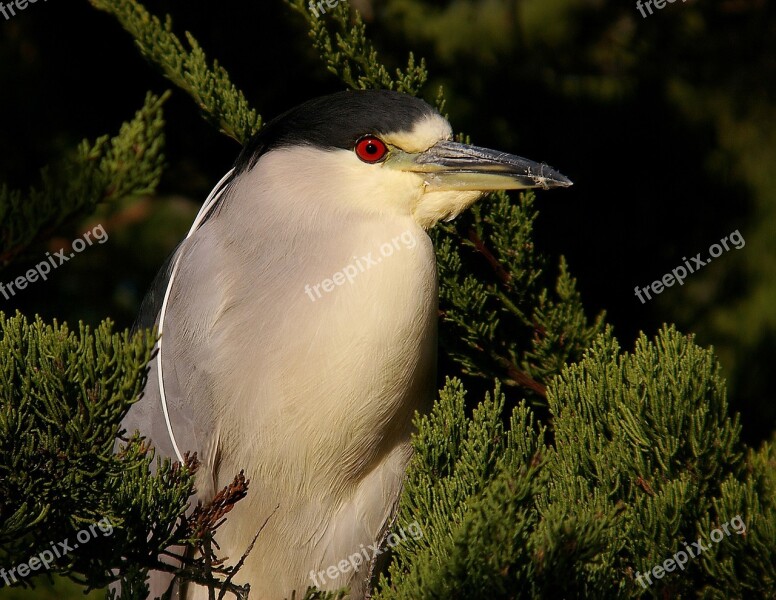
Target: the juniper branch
pixel 222 104
pixel 129 164
pixel 348 53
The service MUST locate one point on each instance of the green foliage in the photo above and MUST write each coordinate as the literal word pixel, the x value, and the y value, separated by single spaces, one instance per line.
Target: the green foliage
pixel 351 56
pixel 315 594
pixel 130 164
pixel 62 397
pixel 471 487
pixel 644 458
pixel 220 101
pixel 499 319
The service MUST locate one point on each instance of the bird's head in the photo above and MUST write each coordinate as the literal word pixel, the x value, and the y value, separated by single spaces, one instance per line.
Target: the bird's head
pixel 385 152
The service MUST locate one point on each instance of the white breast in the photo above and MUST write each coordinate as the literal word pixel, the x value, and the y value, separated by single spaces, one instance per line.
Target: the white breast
pixel 314 388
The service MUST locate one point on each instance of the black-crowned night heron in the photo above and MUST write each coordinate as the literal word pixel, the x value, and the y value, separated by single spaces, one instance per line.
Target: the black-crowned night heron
pixel 299 327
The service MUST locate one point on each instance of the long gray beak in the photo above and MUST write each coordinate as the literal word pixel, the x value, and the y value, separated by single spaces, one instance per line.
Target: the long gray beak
pixel 452 166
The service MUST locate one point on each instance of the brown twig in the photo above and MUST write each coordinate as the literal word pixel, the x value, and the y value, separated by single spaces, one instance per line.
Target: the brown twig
pixel 644 485
pixel 521 378
pixel 240 562
pixel 480 246
pixel 518 376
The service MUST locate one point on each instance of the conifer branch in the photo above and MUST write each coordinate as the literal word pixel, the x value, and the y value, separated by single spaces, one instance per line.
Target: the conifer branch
pixel 221 102
pixel 351 56
pixel 129 164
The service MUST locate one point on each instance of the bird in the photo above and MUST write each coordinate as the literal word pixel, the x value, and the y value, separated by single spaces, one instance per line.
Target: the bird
pixel 298 328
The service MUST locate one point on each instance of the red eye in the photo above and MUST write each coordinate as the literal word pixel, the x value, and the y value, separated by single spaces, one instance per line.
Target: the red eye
pixel 371 149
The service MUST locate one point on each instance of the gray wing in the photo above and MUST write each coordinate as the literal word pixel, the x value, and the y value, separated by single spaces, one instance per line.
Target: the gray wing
pixel 147 415
pixel 192 433
pixel 148 316
pixel 168 420
pixel 152 302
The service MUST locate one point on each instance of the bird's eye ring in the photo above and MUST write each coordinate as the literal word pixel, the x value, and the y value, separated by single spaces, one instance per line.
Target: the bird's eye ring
pixel 371 149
